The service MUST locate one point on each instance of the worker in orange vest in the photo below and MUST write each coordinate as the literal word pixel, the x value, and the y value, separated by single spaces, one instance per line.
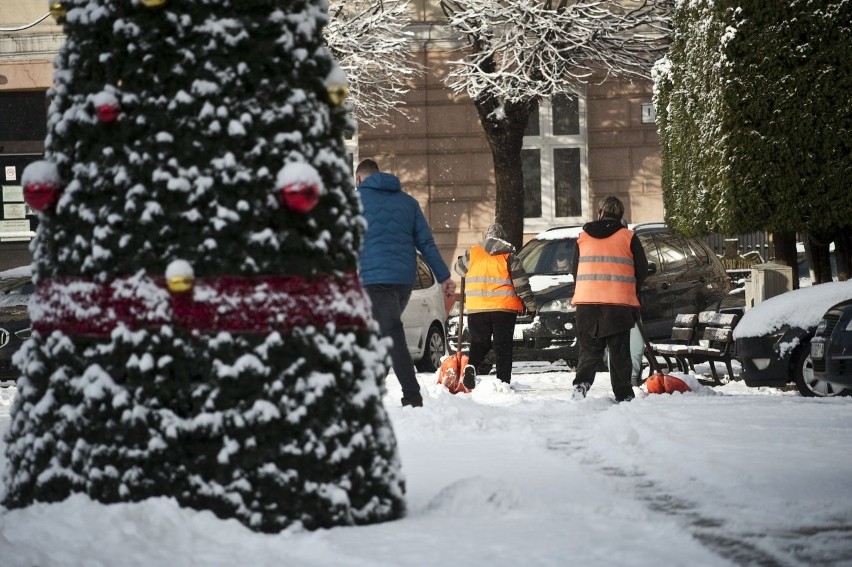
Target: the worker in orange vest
pixel 609 268
pixel 497 289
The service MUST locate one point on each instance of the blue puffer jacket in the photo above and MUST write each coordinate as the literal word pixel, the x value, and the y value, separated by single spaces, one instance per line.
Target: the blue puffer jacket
pixel 395 227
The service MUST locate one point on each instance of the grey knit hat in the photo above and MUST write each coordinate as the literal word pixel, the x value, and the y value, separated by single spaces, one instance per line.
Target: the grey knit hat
pixel 495 231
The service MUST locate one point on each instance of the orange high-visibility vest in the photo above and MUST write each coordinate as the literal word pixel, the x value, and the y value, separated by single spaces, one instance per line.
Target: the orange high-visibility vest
pixel 488 283
pixel 605 271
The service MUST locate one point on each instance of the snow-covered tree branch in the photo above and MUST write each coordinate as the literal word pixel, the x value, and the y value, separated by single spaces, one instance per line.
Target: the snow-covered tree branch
pixel 368 38
pixel 522 49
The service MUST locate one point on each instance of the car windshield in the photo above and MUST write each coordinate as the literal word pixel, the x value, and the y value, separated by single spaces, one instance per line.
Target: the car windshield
pixel 547 257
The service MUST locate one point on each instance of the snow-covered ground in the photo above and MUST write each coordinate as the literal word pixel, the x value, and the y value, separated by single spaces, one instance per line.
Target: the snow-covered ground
pixel 526 476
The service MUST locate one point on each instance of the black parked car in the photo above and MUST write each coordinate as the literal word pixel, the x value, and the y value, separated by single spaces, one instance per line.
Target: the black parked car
pixel 685 276
pixel 773 339
pixel 16 287
pixel 831 347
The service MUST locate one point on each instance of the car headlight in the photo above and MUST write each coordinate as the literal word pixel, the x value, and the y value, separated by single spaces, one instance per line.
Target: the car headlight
pixel 821 327
pixel 558 306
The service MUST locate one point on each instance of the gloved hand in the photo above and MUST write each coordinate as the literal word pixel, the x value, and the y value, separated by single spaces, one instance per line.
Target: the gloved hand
pixel 449 287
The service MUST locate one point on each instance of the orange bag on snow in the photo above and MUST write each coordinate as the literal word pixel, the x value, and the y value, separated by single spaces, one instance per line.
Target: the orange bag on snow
pixel 657 382
pixel 451 372
pixel 675 384
pixel 665 384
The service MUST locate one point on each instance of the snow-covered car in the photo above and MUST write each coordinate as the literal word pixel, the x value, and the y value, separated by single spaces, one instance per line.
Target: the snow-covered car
pixel 423 320
pixel 773 339
pixel 684 276
pixel 831 347
pixel 16 287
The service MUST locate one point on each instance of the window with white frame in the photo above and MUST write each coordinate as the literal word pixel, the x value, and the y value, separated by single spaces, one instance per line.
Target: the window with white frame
pixel 554 163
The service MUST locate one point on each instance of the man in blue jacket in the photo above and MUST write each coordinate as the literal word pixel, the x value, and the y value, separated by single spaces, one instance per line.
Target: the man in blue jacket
pixel 396 229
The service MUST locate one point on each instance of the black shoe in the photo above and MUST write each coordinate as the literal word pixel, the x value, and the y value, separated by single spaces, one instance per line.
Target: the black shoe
pixel 469 379
pixel 580 390
pixel 627 399
pixel 413 402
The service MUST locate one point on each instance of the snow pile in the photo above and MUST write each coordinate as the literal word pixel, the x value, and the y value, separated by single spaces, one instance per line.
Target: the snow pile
pixel 523 475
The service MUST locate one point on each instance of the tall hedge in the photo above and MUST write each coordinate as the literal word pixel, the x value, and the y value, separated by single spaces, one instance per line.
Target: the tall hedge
pixel 688 100
pixel 755 113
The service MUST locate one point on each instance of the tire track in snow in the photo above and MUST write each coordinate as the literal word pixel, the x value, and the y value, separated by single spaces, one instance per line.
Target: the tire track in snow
pixel 822 545
pixel 790 549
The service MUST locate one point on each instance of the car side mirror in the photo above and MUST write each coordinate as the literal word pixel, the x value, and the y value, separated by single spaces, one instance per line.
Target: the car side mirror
pixel 652 268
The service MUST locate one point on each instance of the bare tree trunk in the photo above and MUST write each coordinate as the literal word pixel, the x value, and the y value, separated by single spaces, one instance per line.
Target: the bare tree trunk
pixel 505 136
pixel 820 261
pixel 843 253
pixel 785 252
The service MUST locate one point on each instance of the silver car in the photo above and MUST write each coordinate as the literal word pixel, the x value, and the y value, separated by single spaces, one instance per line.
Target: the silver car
pixel 423 320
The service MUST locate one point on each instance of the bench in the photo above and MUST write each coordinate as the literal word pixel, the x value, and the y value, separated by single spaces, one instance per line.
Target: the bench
pixel 683 335
pixel 715 343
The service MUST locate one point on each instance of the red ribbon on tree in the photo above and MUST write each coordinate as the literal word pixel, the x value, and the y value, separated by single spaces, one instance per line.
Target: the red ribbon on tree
pixel 233 304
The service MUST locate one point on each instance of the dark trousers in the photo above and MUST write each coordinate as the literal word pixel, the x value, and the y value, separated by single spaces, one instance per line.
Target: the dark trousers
pixel 501 326
pixel 620 361
pixel 389 302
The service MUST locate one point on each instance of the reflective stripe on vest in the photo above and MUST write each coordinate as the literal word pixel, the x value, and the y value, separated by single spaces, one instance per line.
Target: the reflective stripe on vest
pixel 605 270
pixel 488 283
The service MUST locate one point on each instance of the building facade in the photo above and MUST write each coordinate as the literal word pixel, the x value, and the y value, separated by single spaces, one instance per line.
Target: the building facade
pixel 29 40
pixel 578 150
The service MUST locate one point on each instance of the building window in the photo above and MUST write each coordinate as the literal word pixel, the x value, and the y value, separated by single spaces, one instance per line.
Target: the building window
pixel 23 116
pixel 23 127
pixel 554 164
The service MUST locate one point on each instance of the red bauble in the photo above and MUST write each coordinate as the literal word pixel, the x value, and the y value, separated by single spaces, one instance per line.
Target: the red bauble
pixel 300 197
pixel 107 113
pixel 41 196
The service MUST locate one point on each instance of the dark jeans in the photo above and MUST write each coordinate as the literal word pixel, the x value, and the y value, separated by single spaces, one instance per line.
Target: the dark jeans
pixel 501 326
pixel 389 302
pixel 620 361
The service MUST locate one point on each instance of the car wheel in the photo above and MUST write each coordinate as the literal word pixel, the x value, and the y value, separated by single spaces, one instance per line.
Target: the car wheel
pixel 807 384
pixel 436 347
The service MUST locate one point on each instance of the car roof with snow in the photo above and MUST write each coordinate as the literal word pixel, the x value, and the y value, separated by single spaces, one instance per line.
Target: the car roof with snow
pixel 19 272
pixel 559 233
pixel 802 308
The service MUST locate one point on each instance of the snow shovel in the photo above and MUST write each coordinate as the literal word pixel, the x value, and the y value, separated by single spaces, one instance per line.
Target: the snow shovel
pixel 657 382
pixel 452 369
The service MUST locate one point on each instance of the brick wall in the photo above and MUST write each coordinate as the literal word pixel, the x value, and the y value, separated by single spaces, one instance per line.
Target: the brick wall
pixel 624 153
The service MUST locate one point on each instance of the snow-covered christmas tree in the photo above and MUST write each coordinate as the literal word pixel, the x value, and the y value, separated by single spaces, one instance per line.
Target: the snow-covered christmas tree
pixel 199 329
